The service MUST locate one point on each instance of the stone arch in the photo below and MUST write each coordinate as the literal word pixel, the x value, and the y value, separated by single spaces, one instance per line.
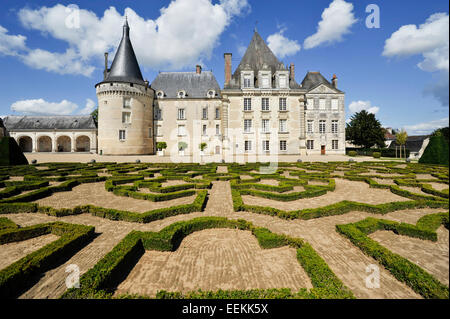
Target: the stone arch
pixel 64 144
pixel 44 144
pixel 83 143
pixel 26 144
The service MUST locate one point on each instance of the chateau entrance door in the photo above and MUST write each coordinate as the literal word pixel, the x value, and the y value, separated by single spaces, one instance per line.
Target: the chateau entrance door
pixel 322 150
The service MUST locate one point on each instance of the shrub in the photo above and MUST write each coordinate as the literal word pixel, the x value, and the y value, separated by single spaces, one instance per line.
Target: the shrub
pixel 352 153
pixel 376 154
pixel 436 151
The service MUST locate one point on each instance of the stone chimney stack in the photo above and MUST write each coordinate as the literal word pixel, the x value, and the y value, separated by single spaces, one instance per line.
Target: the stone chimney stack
pixel 198 69
pixel 227 57
pixel 292 71
pixel 105 72
pixel 334 81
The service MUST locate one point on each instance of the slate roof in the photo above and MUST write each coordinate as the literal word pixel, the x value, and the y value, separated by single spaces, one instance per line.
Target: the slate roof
pixel 125 67
pixel 195 85
pixel 314 79
pixel 69 122
pixel 413 143
pixel 256 56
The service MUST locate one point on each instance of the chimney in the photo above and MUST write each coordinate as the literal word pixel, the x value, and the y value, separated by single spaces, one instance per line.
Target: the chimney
pixel 292 72
pixel 334 81
pixel 198 69
pixel 105 72
pixel 227 68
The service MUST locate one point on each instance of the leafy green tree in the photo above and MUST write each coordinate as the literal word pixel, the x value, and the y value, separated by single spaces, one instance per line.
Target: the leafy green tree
pixel 401 139
pixel 94 114
pixel 365 130
pixel 436 151
pixel 161 146
pixel 444 132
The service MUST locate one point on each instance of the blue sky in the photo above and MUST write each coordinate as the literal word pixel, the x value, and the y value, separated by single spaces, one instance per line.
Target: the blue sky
pixel 51 52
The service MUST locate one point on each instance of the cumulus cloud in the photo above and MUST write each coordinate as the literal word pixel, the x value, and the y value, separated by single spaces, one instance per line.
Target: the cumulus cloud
pixel 426 127
pixel 185 33
pixel 430 40
pixel 336 22
pixel 90 106
pixel 42 107
pixel 282 46
pixel 358 106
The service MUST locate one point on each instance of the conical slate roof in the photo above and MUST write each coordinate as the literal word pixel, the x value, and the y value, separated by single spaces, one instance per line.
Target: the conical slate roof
pixel 125 67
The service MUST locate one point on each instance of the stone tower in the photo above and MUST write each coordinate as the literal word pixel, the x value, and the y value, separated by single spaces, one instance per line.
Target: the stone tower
pixel 125 105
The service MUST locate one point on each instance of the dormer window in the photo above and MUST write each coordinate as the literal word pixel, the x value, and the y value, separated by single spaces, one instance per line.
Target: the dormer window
pixel 247 81
pixel 211 93
pixel 265 81
pixel 181 94
pixel 282 81
pixel 160 94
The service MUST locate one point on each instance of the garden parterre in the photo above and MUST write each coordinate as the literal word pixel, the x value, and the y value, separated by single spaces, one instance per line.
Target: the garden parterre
pixel 23 188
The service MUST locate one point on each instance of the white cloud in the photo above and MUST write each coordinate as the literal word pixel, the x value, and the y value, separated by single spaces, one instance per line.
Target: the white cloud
pixel 282 46
pixel 430 39
pixel 241 49
pixel 336 22
pixel 90 106
pixel 42 107
pixel 427 127
pixel 358 106
pixel 185 33
pixel 11 44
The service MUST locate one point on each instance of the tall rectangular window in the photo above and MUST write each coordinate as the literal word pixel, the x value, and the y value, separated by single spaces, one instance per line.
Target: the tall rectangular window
pixel 205 113
pixel 282 104
pixel 150 131
pixel 310 126
pixel 217 113
pixel 266 146
pixel 309 104
pixel 265 126
pixel 334 104
pixel 247 81
pixel 322 126
pixel 283 126
pixel 181 114
pixel 310 144
pixel 283 145
pixel 204 130
pixel 334 144
pixel 322 104
pixel 157 114
pixel 158 130
pixel 181 130
pixel 247 104
pixel 265 81
pixel 334 126
pixel 126 102
pixel 247 126
pixel 217 129
pixel 265 104
pixel 126 117
pixel 282 81
pixel 248 146
pixel 122 135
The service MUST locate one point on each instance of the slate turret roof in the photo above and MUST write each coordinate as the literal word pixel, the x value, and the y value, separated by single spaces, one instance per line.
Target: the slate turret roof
pixel 69 122
pixel 314 79
pixel 195 85
pixel 125 67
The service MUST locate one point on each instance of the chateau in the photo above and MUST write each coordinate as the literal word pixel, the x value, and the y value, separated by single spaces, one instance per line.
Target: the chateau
pixel 261 110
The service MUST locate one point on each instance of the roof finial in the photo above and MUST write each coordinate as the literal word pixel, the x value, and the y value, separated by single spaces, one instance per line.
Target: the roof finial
pixel 256 25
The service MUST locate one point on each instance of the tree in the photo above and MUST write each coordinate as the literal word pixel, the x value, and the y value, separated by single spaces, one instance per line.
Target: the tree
pixel 365 130
pixel 161 146
pixel 401 139
pixel 436 151
pixel 94 114
pixel 444 132
pixel 202 146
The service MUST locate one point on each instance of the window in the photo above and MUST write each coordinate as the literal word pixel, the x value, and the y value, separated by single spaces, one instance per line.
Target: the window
pixel 247 126
pixel 265 126
pixel 217 150
pixel 158 114
pixel 211 93
pixel 181 94
pixel 283 104
pixel 126 117
pixel 310 144
pixel 247 104
pixel 205 113
pixel 265 81
pixel 334 144
pixel 283 126
pixel 247 81
pixel 334 104
pixel 265 104
pixel 310 126
pixel 322 126
pixel 181 115
pixel 150 131
pixel 217 113
pixel 158 131
pixel 181 130
pixel 283 145
pixel 126 103
pixel 204 130
pixel 266 146
pixel 334 126
pixel 217 129
pixel 309 104
pixel 322 104
pixel 122 135
pixel 160 94
pixel 282 81
pixel 248 146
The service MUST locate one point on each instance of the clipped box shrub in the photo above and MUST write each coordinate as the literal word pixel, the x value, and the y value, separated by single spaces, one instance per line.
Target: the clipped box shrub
pixel 352 153
pixel 376 154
